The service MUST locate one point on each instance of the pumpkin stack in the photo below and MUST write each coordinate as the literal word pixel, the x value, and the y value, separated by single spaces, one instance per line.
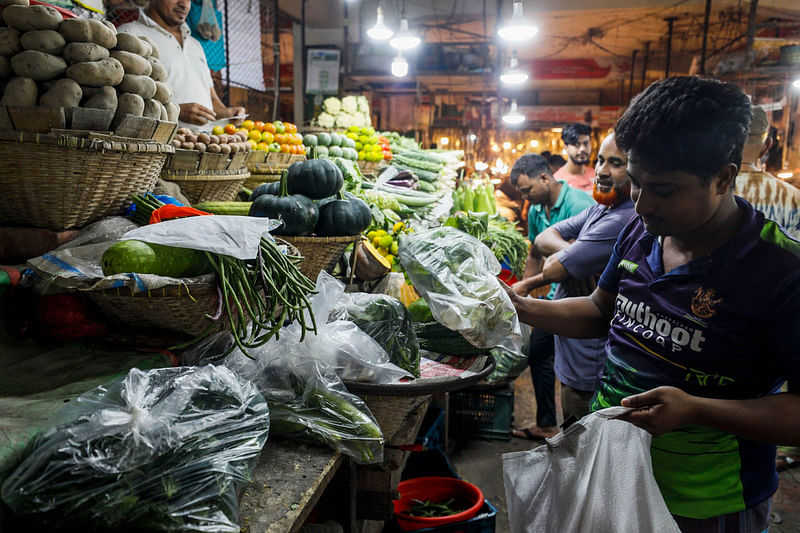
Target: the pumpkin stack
pixel 309 200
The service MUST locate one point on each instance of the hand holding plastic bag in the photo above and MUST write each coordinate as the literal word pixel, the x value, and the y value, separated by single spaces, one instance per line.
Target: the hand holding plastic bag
pixel 160 450
pixel 457 276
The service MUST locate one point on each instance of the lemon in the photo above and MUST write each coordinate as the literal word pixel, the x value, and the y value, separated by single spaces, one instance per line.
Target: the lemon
pixel 371 235
pixel 381 232
pixel 398 226
pixel 386 241
pixel 390 258
pixel 383 251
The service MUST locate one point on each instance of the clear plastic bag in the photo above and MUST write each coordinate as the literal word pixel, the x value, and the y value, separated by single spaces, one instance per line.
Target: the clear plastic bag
pixel 207 26
pixel 457 276
pixel 387 321
pixel 161 450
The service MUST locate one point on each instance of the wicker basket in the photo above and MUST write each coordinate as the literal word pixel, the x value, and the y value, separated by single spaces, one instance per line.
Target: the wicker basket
pixel 257 179
pixel 57 181
pixel 208 185
pixel 320 253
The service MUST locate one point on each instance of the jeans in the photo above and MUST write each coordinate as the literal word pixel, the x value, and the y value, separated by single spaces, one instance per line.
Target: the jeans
pixel 540 361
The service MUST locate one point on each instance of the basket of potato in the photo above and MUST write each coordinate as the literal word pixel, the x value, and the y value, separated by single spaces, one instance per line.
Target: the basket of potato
pixel 208 168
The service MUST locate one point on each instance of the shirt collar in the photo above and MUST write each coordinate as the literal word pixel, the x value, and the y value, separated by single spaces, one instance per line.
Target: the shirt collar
pixel 559 200
pixel 147 21
pixel 747 237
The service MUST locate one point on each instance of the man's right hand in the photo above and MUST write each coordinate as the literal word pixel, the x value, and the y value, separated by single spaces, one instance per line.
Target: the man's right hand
pixel 196 114
pixel 520 288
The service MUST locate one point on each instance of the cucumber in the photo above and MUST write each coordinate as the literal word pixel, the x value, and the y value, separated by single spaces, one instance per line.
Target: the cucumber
pixel 225 208
pixel 146 258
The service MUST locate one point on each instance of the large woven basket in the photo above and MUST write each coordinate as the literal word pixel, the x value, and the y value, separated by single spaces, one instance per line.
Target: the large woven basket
pixel 320 253
pixel 58 181
pixel 208 185
pixel 257 179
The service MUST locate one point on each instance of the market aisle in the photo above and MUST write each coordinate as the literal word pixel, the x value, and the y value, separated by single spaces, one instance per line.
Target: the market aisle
pixel 479 461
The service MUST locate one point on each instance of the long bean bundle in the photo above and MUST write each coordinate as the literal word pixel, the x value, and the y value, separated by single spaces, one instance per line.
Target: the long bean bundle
pixel 267 292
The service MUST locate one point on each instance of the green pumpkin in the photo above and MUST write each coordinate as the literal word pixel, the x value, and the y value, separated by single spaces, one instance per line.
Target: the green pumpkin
pixel 273 188
pixel 347 215
pixel 317 178
pixel 299 213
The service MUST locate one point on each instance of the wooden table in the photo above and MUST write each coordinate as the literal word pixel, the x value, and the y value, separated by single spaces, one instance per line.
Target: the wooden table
pixel 287 482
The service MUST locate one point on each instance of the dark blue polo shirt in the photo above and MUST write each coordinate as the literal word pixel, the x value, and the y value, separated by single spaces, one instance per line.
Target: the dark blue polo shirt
pixel 722 326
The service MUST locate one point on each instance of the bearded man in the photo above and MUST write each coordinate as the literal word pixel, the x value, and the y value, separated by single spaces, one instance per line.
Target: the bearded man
pixel 577 250
pixel 577 171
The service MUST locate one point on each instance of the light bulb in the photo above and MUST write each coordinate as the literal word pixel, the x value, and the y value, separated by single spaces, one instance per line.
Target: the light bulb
pixel 796 83
pixel 513 117
pixel 379 31
pixel 517 28
pixel 399 66
pixel 785 175
pixel 513 76
pixel 405 40
pixel 444 141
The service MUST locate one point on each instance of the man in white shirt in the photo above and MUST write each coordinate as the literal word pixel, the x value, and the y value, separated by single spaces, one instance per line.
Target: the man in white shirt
pixel 164 21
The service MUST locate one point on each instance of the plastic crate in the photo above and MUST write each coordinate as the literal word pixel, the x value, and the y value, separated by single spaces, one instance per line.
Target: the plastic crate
pixel 483 522
pixel 482 414
pixel 431 432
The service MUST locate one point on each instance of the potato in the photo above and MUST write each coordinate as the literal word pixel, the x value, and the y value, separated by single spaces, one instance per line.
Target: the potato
pixel 213 139
pixel 88 30
pixel 141 85
pixel 64 93
pixel 129 104
pixel 214 148
pixel 83 52
pixel 9 42
pixel 187 145
pixel 4 3
pixel 173 111
pixel 163 92
pixel 152 108
pixel 201 147
pixel 183 131
pixel 153 46
pixel 110 26
pixel 159 71
pixel 97 73
pixel 29 18
pixel 191 137
pixel 204 138
pixel 128 42
pixel 225 148
pixel 163 115
pixel 5 67
pixel 38 65
pixel 176 143
pixel 48 41
pixel 20 91
pixel 132 63
pixel 105 98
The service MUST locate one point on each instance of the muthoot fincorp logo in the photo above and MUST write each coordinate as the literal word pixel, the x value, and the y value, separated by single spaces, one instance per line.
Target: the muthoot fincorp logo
pixel 638 317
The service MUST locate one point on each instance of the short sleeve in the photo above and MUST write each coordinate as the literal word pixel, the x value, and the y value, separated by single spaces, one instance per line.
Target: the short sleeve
pixel 570 228
pixel 609 279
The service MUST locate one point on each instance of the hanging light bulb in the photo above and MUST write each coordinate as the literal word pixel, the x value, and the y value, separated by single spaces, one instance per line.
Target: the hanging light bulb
pixel 517 28
pixel 513 75
pixel 404 40
pixel 399 66
pixel 380 32
pixel 796 83
pixel 513 117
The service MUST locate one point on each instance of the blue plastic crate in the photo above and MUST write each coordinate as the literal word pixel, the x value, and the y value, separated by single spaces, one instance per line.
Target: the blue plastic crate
pixel 431 433
pixel 483 522
pixel 486 414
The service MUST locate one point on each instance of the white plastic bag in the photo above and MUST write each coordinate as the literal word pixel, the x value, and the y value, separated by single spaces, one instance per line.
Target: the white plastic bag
pixel 595 477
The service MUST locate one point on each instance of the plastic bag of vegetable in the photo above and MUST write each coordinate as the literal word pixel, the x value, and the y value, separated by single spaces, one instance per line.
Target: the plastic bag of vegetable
pixel 386 320
pixel 162 450
pixel 457 276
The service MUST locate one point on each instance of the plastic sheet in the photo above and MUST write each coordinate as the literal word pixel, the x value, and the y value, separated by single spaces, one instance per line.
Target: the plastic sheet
pixel 457 276
pixel 387 321
pixel 161 450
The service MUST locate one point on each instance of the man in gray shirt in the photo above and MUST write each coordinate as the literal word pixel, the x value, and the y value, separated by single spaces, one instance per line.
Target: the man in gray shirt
pixel 577 250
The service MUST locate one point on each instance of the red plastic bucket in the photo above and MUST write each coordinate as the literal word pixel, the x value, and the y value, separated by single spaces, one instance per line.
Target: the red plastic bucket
pixel 436 489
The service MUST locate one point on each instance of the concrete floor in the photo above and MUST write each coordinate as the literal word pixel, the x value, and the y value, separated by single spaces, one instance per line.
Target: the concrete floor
pixel 479 461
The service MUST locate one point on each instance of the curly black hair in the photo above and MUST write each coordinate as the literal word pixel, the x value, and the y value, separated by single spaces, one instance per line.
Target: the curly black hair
pixel 690 124
pixel 531 165
pixel 571 132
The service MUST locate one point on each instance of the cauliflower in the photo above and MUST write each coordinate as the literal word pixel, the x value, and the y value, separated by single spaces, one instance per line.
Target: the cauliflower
pixel 363 104
pixel 349 105
pixel 325 120
pixel 344 121
pixel 332 105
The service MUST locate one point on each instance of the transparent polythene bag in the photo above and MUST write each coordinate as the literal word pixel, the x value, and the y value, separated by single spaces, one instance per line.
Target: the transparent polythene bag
pixel 457 275
pixel 158 450
pixel 387 321
pixel 207 26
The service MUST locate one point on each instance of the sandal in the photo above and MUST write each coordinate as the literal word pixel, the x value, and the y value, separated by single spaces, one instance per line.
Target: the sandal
pixel 785 462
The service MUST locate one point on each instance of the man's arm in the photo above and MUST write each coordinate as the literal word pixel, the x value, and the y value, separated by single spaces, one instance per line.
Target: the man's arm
pixel 533 266
pixel 665 409
pixel 550 242
pixel 584 317
pixel 221 109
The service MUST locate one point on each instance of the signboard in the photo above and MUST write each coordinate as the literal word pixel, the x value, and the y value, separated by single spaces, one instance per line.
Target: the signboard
pixel 322 71
pixel 574 69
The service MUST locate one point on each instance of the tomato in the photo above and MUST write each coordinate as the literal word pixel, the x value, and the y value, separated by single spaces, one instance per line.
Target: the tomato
pixel 279 127
pixel 258 125
pixel 270 127
pixel 274 147
pixel 248 124
pixel 290 128
pixel 285 148
pixel 230 129
pixel 264 147
pixel 299 138
pixel 387 156
pixel 267 137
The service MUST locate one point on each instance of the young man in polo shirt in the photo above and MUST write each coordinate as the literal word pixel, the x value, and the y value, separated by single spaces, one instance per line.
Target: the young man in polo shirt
pixel 551 201
pixel 578 170
pixel 702 294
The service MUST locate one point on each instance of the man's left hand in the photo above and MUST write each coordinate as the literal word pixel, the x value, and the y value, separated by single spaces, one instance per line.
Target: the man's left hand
pixel 235 112
pixel 660 410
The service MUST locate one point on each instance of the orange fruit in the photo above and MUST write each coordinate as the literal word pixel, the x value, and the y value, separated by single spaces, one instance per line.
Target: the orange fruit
pixel 290 128
pixel 253 144
pixel 285 148
pixel 258 125
pixel 248 124
pixel 230 129
pixel 254 135
pixel 263 147
pixel 270 127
